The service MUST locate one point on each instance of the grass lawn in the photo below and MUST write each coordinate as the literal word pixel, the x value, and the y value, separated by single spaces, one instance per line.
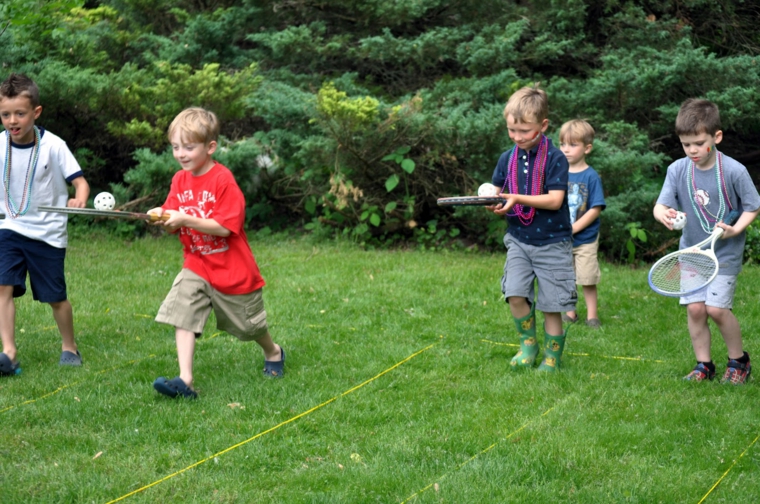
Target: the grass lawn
pixel 397 389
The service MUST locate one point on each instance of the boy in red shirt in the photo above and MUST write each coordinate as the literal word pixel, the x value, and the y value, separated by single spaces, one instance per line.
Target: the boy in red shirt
pixel 207 208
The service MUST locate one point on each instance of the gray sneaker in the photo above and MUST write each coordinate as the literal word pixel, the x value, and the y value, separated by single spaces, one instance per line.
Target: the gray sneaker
pixel 594 323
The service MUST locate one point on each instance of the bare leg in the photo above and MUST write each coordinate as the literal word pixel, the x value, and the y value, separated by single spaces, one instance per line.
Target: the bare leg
pixel 729 328
pixel 185 351
pixel 699 331
pixel 8 322
pixel 553 324
pixel 272 351
pixel 519 306
pixel 590 296
pixel 64 318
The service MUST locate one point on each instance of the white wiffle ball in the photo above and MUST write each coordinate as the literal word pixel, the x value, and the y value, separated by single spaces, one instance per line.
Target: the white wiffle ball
pixel 488 190
pixel 679 221
pixel 104 201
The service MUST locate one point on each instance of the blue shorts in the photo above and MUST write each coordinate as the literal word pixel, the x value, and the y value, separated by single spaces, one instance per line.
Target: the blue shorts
pixel 551 266
pixel 20 255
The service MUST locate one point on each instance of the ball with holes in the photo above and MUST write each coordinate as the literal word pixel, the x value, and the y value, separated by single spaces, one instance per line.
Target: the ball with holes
pixel 679 221
pixel 104 201
pixel 488 190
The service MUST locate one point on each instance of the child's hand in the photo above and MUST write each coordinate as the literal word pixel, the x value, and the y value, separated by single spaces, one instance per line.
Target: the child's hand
pixel 158 212
pixel 665 216
pixel 509 201
pixel 75 203
pixel 492 208
pixel 176 220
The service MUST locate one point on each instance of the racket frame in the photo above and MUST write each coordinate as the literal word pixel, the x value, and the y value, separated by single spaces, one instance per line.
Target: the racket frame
pixel 104 213
pixel 717 232
pixel 471 201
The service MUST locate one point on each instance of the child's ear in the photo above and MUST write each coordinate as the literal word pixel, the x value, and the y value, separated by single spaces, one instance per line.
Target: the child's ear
pixel 37 111
pixel 718 137
pixel 211 147
pixel 588 149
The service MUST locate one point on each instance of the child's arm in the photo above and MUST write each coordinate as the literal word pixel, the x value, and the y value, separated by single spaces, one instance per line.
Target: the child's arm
pixel 81 193
pixel 745 219
pixel 665 215
pixel 585 221
pixel 550 201
pixel 178 220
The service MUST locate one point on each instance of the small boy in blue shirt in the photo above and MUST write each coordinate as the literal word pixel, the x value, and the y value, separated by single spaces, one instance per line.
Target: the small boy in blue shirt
pixel 586 200
pixel 533 181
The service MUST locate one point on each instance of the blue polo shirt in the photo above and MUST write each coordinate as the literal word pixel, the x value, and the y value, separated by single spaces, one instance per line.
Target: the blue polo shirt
pixel 548 226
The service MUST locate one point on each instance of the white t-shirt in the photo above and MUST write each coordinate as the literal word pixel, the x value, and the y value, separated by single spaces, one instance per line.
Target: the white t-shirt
pixel 56 167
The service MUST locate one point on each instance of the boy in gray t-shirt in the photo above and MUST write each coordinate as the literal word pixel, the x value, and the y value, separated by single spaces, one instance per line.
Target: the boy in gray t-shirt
pixel 706 185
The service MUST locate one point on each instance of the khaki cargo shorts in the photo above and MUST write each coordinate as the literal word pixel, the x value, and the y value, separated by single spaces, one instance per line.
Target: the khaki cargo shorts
pixel 191 299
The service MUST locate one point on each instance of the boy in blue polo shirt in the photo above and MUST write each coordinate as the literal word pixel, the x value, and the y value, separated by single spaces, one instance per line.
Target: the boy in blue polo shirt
pixel 586 200
pixel 533 180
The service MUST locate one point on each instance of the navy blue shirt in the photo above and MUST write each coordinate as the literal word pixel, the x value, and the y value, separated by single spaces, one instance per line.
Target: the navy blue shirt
pixel 548 226
pixel 584 192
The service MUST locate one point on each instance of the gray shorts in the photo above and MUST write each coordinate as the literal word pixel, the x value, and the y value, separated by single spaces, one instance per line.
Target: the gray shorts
pixel 191 298
pixel 718 293
pixel 551 265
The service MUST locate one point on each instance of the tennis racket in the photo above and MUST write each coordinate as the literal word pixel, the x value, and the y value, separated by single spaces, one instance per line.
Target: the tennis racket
pixel 687 270
pixel 104 213
pixel 470 201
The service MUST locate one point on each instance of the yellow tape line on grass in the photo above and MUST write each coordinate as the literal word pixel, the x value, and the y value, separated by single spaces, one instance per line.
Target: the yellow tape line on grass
pixel 272 429
pixel 617 357
pixel 64 387
pixel 728 470
pixel 485 450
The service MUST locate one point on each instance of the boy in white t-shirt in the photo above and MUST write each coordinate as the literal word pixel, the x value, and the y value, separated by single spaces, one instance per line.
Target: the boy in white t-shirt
pixel 37 166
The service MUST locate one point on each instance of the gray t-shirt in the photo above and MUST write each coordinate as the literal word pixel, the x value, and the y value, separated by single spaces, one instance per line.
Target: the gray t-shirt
pixel 742 196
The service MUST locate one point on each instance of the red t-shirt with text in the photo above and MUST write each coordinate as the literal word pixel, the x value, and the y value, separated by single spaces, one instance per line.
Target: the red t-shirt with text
pixel 227 263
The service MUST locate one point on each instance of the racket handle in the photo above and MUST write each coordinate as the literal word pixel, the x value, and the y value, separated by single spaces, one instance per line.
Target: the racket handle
pixel 732 217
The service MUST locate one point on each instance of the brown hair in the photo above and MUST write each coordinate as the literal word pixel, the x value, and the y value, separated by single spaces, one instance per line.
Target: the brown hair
pixel 20 85
pixel 528 105
pixel 195 124
pixel 578 130
pixel 697 116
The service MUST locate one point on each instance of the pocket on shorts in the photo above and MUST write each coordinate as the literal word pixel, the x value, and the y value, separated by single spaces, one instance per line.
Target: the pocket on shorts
pixel 256 316
pixel 564 281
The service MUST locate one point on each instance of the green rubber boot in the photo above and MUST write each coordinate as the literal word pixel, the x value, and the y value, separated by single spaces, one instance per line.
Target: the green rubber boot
pixel 552 353
pixel 526 326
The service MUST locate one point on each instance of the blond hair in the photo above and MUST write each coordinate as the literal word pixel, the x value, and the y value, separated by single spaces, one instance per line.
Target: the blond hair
pixel 577 130
pixel 528 105
pixel 697 116
pixel 195 124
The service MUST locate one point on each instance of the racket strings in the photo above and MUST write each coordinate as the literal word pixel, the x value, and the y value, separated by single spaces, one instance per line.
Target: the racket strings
pixel 683 273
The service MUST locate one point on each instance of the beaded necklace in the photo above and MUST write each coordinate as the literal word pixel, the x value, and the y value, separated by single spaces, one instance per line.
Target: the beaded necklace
pixel 15 211
pixel 706 218
pixel 534 181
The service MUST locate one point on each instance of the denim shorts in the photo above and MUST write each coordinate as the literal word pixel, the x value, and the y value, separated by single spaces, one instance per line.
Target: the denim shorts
pixel 20 255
